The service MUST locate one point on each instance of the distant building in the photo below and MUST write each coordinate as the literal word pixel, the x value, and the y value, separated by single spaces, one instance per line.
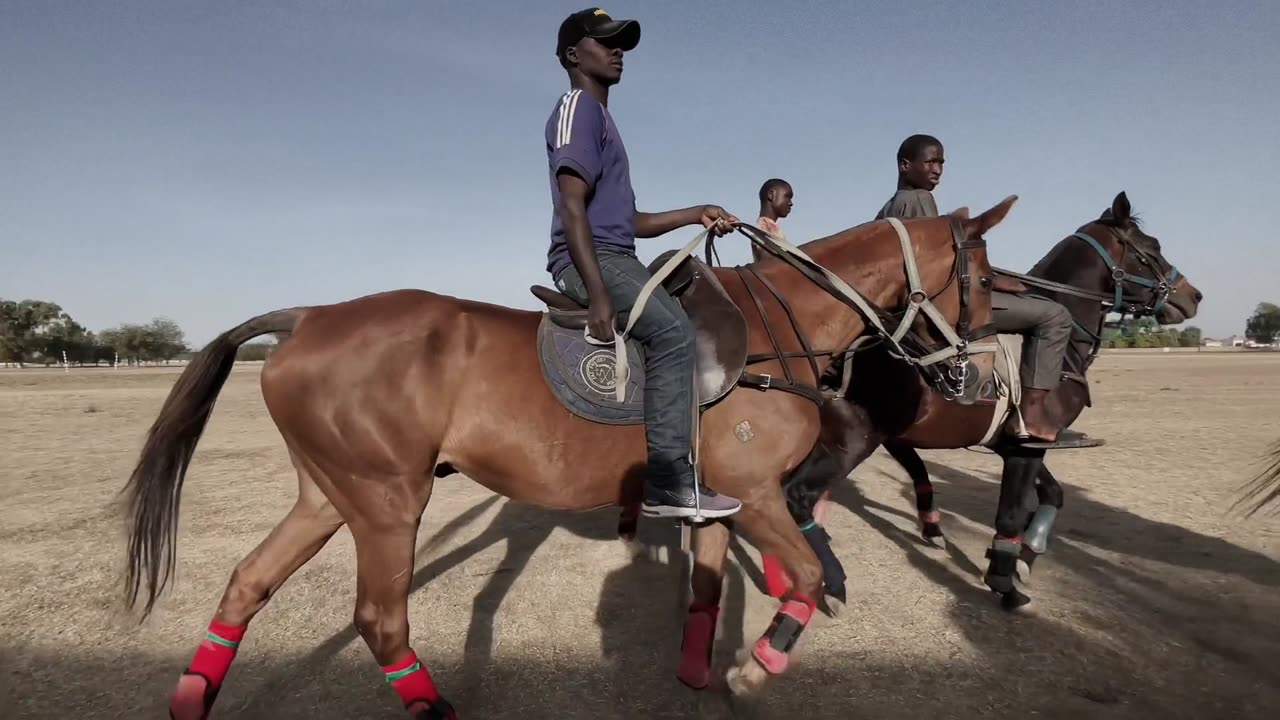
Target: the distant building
pixel 1236 341
pixel 1210 342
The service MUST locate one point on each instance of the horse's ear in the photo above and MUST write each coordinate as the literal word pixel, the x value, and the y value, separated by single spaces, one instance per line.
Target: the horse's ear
pixel 1121 211
pixel 960 212
pixel 979 226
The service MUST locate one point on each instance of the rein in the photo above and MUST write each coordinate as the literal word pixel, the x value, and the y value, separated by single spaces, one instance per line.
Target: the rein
pixel 956 350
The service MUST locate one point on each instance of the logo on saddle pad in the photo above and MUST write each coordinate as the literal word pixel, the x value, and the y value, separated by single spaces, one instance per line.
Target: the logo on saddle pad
pixel 598 370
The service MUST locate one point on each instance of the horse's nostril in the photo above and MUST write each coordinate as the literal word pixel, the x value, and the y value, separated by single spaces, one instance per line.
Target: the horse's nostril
pixel 1199 296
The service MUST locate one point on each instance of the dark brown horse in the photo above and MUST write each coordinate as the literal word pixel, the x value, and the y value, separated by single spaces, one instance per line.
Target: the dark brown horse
pixel 378 396
pixel 1109 265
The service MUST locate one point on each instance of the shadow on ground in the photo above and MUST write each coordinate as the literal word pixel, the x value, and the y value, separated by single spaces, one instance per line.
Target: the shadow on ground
pixel 1130 613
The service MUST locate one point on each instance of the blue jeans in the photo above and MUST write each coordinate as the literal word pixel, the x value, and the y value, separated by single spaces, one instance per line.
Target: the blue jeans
pixel 668 339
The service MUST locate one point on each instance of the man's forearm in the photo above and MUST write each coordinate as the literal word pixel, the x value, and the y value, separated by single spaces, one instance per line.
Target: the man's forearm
pixel 582 250
pixel 651 225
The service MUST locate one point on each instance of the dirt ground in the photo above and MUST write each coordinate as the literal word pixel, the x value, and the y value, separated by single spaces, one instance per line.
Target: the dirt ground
pixel 1154 601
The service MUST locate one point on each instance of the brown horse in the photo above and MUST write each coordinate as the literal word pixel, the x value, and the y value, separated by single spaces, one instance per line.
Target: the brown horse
pixel 1109 265
pixel 378 396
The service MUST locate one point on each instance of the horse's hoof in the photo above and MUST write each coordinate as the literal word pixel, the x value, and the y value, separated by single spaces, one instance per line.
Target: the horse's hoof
pixel 440 710
pixel 746 678
pixel 188 699
pixel 939 541
pixel 834 601
pixel 833 606
pixel 1014 600
pixel 1023 573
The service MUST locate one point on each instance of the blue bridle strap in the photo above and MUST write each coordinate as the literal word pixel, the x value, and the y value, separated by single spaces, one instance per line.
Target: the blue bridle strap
pixel 1159 289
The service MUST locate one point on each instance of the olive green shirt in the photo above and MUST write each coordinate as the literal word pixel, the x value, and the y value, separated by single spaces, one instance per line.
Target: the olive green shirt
pixel 909 204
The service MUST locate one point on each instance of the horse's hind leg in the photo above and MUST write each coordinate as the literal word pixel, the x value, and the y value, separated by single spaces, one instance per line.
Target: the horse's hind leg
pixel 710 549
pixel 926 505
pixel 294 541
pixel 385 533
pixel 1035 539
pixel 769 526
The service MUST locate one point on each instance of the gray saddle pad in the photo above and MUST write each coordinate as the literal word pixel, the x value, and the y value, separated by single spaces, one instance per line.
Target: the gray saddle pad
pixel 582 375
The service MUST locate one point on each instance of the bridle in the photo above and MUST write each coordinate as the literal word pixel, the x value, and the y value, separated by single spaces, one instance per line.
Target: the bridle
pixel 944 364
pixel 1159 288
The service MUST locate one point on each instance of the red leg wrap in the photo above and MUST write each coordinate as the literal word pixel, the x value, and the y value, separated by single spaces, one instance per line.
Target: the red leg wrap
pixel 217 650
pixel 933 516
pixel 411 681
pixel 775 578
pixel 695 649
pixel 773 650
pixel 198 687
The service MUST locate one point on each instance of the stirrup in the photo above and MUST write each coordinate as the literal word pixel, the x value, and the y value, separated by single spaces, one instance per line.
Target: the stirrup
pixel 1066 439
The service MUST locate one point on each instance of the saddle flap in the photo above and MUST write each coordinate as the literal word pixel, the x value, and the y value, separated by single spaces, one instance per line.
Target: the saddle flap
pixel 720 332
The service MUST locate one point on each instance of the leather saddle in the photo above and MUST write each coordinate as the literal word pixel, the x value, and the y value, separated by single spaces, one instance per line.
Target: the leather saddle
pixel 577 372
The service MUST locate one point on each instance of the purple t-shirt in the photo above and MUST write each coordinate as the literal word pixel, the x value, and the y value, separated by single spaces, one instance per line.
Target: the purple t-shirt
pixel 581 136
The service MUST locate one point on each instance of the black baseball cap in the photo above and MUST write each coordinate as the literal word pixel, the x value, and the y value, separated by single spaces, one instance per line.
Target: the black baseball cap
pixel 596 23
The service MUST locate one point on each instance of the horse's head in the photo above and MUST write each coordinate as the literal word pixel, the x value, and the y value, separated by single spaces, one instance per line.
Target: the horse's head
pixel 1132 266
pixel 956 276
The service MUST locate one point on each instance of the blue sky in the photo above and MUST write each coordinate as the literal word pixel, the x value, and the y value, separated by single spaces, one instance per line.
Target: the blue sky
pixel 212 161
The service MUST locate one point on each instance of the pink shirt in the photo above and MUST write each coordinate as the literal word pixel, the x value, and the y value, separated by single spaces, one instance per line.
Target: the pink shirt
pixel 770 227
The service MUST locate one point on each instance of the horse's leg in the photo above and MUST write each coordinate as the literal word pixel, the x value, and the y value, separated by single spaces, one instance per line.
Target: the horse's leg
pixel 767 524
pixel 384 538
pixel 710 548
pixel 1035 539
pixel 1021 466
pixel 926 505
pixel 846 439
pixel 298 537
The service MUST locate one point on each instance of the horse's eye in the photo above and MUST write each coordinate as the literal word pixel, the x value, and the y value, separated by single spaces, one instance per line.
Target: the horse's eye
pixel 985 281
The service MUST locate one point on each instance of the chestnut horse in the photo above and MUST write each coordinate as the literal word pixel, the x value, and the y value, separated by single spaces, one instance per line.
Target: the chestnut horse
pixel 1109 265
pixel 378 396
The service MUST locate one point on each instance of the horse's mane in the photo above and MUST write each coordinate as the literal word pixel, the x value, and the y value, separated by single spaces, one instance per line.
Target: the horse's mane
pixel 1107 219
pixel 1263 489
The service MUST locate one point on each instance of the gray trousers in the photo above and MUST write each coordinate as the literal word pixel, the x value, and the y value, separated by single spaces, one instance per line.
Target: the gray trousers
pixel 668 338
pixel 1046 327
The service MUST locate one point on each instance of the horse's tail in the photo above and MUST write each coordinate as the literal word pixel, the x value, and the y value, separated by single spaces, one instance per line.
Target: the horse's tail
pixel 155 487
pixel 1265 488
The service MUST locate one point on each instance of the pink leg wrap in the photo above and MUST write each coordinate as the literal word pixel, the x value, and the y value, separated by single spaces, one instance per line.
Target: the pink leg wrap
pixel 933 516
pixel 822 508
pixel 773 650
pixel 695 649
pixel 775 578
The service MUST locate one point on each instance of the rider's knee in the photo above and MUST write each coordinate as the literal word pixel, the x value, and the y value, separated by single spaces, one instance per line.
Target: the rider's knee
pixel 1059 317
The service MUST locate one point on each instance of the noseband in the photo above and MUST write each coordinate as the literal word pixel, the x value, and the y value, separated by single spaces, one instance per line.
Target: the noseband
pixel 1161 287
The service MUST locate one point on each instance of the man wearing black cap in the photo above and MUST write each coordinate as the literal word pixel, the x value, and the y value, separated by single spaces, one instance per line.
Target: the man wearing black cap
pixel 592 257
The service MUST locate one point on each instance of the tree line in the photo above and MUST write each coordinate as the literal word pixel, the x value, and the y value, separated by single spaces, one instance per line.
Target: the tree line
pixel 1147 333
pixel 40 332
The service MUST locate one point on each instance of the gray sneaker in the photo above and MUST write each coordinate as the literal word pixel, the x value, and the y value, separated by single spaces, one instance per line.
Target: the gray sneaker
pixel 678 501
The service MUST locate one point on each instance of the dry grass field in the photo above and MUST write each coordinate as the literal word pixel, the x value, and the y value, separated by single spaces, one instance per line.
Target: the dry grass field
pixel 1153 602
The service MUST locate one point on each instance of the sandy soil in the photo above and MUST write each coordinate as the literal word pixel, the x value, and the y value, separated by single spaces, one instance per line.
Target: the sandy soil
pixel 1154 601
